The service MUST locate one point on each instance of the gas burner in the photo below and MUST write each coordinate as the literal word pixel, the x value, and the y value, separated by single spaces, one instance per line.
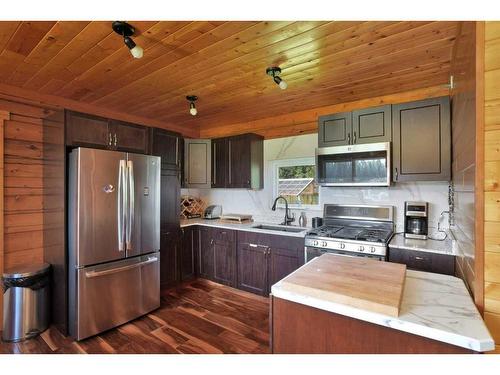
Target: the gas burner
pixel 374 235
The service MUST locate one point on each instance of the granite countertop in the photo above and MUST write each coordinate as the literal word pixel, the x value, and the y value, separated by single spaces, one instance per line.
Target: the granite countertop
pixel 248 227
pixel 446 247
pixel 435 306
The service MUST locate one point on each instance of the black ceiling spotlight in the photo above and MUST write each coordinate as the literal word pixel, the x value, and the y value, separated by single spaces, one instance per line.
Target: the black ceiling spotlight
pixel 274 72
pixel 192 107
pixel 126 30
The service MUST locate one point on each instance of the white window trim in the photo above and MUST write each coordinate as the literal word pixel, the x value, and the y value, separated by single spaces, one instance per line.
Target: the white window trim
pixel 275 164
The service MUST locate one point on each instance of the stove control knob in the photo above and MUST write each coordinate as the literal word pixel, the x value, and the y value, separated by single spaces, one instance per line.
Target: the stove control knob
pixel 315 243
pixel 361 248
pixel 372 249
pixel 324 244
pixel 342 245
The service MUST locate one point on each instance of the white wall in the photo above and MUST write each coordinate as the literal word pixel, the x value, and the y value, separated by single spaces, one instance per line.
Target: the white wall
pixel 258 203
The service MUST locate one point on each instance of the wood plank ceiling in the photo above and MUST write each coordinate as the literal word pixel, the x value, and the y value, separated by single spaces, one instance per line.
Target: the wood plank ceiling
pixel 224 64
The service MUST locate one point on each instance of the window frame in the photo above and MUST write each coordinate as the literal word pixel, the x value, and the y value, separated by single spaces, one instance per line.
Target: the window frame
pixel 275 164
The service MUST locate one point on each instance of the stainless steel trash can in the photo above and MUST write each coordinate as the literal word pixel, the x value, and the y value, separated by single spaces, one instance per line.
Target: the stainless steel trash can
pixel 26 301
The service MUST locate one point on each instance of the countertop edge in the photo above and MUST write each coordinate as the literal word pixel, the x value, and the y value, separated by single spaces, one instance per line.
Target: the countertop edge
pixel 244 227
pixel 478 345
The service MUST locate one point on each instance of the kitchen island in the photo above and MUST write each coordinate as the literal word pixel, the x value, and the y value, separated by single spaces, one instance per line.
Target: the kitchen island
pixel 437 315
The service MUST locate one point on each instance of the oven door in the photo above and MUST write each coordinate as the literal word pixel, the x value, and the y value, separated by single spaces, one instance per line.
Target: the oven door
pixel 354 165
pixel 313 252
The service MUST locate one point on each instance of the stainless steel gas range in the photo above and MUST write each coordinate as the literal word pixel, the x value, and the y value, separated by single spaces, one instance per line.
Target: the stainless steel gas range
pixel 352 230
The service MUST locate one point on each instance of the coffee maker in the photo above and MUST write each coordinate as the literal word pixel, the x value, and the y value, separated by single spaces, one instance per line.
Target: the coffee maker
pixel 416 220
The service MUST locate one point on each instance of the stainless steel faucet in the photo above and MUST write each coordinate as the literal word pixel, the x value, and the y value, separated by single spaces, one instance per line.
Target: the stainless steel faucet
pixel 288 219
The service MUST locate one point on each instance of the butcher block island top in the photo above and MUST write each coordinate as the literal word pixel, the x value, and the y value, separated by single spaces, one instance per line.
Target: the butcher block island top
pixel 434 306
pixel 363 283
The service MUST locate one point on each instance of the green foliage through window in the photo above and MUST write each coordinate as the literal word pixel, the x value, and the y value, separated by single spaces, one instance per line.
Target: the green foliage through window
pixel 298 171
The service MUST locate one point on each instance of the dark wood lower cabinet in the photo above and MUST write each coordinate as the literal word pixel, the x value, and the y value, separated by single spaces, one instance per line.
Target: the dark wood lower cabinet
pixel 424 261
pixel 190 242
pixel 252 268
pixel 169 252
pixel 246 260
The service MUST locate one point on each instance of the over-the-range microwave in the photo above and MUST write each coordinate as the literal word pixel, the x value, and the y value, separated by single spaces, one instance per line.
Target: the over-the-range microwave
pixel 366 164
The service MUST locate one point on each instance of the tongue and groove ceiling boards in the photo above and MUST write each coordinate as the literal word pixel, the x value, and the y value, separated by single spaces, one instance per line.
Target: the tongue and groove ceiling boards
pixel 224 64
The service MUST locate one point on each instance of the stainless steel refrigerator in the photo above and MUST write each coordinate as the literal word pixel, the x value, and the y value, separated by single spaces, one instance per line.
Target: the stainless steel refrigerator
pixel 113 239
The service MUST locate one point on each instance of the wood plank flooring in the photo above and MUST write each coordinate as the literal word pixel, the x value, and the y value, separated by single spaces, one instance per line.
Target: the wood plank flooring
pixel 196 317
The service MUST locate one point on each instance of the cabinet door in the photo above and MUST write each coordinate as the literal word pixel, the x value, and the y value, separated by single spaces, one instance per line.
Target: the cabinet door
pixel 86 130
pixel 187 253
pixel 252 268
pixel 167 146
pixel 169 252
pixel 197 163
pixel 170 198
pixel 239 162
pixel 129 137
pixel 225 263
pixel 422 140
pixel 206 254
pixel 335 130
pixel 372 125
pixel 219 162
pixel 282 263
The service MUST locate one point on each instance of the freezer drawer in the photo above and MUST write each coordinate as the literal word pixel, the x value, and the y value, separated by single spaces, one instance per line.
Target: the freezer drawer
pixel 111 294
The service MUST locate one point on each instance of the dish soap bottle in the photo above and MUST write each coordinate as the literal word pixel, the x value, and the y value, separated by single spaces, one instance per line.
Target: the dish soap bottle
pixel 303 219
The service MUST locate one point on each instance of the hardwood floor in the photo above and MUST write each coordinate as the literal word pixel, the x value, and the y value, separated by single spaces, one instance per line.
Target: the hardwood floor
pixel 196 317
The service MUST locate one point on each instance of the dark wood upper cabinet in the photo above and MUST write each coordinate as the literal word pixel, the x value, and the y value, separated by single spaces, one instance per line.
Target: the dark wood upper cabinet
pixel 220 162
pixel 84 130
pixel 422 140
pixel 372 125
pixel 169 146
pixel 335 130
pixel 129 137
pixel 238 162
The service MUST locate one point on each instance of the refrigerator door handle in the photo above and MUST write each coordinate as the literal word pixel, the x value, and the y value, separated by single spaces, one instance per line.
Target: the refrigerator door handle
pixel 110 271
pixel 121 205
pixel 131 203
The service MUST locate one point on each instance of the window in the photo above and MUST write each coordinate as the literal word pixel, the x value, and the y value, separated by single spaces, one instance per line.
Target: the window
pixel 294 179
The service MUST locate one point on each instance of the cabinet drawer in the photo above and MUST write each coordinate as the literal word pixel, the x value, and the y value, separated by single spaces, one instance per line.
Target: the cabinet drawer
pixel 223 235
pixel 423 261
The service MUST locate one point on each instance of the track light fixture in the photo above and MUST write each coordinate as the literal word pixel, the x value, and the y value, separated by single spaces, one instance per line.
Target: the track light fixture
pixel 192 107
pixel 126 30
pixel 274 72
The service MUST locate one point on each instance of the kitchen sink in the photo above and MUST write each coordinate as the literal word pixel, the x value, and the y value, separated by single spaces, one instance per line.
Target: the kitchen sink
pixel 280 228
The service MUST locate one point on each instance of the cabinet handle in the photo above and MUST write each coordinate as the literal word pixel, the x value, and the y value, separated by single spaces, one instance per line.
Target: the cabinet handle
pixel 396 172
pixel 211 241
pixel 116 139
pixel 230 174
pixel 176 151
pixel 354 138
pixel 419 258
pixel 110 140
pixel 349 138
pixel 253 245
pixel 215 163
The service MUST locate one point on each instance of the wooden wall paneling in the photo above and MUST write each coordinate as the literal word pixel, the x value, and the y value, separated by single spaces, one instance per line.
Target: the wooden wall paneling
pixel 303 122
pixel 464 105
pixel 13 95
pixel 4 116
pixel 491 155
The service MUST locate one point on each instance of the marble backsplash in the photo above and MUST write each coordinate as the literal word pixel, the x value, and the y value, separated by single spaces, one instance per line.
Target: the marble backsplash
pixel 258 203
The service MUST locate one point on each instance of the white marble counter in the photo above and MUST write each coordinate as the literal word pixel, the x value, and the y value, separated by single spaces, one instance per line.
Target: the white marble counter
pixel 446 247
pixel 248 227
pixel 435 306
